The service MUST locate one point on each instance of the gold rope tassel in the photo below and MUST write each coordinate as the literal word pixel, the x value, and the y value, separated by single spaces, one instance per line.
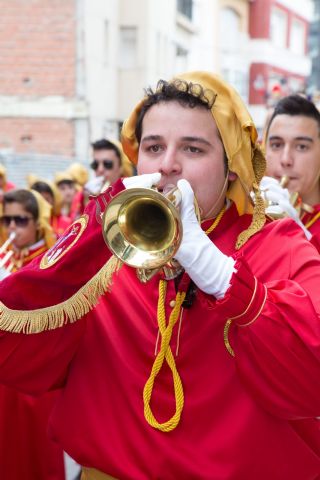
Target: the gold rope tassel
pixel 165 353
pixel 258 218
pixel 49 318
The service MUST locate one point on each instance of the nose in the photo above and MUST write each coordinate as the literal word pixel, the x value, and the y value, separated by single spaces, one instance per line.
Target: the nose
pixel 100 169
pixel 12 226
pixel 170 164
pixel 286 157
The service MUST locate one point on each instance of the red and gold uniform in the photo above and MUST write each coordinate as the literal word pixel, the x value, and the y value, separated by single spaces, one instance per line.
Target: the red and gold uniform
pixel 20 258
pixel 77 205
pixel 103 360
pixel 26 451
pixel 60 223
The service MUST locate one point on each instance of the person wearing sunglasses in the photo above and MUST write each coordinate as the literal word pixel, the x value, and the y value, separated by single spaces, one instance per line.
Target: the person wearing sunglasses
pixel 106 162
pixel 27 215
pixel 109 164
pixel 25 449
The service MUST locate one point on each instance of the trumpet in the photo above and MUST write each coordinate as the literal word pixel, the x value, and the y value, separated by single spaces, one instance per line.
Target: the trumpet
pixel 5 256
pixel 142 227
pixel 295 198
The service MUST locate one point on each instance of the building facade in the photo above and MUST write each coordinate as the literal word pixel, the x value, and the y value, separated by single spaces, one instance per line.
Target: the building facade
pixel 279 59
pixel 71 70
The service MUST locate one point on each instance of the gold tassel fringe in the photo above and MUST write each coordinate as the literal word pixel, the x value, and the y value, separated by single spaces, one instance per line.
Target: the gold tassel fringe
pixel 69 311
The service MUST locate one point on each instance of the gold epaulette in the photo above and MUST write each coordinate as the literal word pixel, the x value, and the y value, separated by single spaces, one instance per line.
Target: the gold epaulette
pixel 69 311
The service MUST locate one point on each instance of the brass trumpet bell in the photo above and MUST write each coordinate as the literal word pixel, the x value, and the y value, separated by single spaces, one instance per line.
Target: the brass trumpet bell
pixel 142 227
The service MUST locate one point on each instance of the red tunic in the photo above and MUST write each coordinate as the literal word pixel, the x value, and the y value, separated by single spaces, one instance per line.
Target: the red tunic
pixel 60 223
pixel 9 186
pixel 77 205
pixel 26 451
pixel 249 417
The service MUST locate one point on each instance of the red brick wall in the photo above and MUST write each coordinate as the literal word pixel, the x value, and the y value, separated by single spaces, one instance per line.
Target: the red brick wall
pixel 37 135
pixel 37 47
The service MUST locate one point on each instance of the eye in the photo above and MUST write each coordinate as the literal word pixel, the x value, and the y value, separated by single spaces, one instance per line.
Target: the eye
pixel 275 145
pixel 154 148
pixel 301 147
pixel 193 149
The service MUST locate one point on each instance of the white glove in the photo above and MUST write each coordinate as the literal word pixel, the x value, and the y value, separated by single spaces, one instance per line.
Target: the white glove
pixel 209 268
pixel 279 199
pixel 94 185
pixel 4 273
pixel 142 181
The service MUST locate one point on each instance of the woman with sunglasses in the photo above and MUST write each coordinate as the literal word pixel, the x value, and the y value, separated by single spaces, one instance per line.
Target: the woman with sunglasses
pixel 25 449
pixel 27 215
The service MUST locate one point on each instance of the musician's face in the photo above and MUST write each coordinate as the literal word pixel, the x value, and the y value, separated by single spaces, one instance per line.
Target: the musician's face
pixel 293 149
pixel 106 164
pixel 68 191
pixel 182 142
pixel 26 234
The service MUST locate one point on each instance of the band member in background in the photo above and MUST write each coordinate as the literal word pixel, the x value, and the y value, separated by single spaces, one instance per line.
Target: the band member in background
pixel 51 194
pixel 5 184
pixel 293 154
pixel 67 188
pixel 26 451
pixel 184 377
pixel 109 163
pixel 80 175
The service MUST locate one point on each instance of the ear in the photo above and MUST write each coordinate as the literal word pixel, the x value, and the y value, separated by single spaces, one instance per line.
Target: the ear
pixel 232 176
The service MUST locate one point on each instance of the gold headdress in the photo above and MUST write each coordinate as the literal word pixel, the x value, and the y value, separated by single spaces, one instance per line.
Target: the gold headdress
pixel 44 216
pixel 126 165
pixel 79 173
pixel 63 176
pixel 57 198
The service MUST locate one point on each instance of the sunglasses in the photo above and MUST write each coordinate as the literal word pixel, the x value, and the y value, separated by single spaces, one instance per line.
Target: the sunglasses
pixel 19 220
pixel 107 164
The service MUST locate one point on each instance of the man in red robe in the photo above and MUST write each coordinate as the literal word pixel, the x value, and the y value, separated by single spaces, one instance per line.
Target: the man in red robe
pixel 214 374
pixel 293 154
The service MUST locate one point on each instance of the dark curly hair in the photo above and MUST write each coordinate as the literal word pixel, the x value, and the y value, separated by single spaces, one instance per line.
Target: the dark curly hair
pixel 186 93
pixel 295 105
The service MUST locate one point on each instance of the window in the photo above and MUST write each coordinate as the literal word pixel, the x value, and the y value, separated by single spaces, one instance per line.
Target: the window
pixel 185 7
pixel 181 63
pixel 297 37
pixel 278 28
pixel 230 39
pixel 128 47
pixel 106 42
pixel 238 79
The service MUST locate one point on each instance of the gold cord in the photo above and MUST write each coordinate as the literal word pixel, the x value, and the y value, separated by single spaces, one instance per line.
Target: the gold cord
pixel 313 220
pixel 216 220
pixel 165 353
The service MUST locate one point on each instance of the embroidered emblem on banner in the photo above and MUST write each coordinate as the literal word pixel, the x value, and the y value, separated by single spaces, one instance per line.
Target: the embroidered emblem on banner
pixel 65 242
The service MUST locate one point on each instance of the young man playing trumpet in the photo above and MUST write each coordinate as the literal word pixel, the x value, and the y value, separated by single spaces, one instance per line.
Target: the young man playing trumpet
pixel 293 154
pixel 214 374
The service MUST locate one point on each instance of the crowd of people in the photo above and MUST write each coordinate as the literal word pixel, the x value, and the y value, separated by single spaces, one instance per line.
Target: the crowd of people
pixel 209 374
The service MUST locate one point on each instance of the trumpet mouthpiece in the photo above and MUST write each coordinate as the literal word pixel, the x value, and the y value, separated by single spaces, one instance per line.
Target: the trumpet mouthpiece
pixel 284 180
